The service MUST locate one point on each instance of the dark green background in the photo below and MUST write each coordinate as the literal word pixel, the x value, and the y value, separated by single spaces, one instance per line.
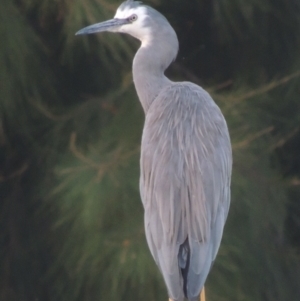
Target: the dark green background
pixel 71 220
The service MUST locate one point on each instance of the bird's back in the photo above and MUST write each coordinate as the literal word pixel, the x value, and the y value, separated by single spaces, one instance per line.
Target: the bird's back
pixel 185 185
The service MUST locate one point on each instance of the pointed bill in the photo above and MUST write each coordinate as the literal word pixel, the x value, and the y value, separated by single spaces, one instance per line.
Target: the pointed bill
pixel 109 25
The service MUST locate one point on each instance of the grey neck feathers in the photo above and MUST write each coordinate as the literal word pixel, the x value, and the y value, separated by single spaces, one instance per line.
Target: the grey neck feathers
pixel 149 65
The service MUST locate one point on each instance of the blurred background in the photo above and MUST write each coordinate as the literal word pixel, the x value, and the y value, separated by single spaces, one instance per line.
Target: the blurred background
pixel 71 219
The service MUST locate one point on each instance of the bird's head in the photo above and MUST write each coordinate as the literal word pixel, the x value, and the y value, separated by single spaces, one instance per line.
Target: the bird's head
pixel 133 18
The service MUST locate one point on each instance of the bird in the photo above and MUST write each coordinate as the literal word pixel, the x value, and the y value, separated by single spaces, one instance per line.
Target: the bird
pixel 186 155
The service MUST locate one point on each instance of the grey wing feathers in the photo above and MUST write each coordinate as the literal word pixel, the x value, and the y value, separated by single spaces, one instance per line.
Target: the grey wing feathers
pixel 185 185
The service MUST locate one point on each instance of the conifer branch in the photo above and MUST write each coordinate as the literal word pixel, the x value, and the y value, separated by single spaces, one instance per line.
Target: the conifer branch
pixel 251 138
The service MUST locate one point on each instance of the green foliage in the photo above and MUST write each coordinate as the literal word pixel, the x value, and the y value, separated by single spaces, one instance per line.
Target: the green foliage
pixel 70 126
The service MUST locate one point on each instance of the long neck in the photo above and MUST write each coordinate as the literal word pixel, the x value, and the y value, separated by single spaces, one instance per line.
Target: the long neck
pixel 149 65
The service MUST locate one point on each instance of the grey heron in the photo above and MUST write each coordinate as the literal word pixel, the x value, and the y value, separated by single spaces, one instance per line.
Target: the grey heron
pixel 186 156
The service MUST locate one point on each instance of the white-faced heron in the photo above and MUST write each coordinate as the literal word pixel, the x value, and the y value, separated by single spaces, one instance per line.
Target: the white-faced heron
pixel 186 156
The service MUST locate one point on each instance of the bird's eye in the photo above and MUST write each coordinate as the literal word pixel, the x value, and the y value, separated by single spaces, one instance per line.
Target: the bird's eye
pixel 132 18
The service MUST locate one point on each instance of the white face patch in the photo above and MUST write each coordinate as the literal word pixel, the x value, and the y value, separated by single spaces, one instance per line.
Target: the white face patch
pixel 137 28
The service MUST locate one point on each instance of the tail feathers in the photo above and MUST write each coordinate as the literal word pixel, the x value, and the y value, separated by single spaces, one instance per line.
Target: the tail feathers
pixel 196 280
pixel 195 262
pixel 184 263
pixel 171 272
